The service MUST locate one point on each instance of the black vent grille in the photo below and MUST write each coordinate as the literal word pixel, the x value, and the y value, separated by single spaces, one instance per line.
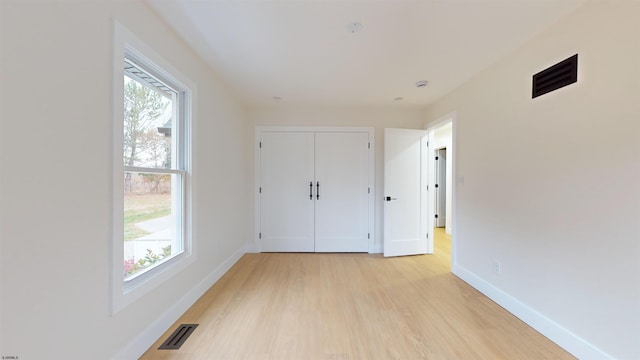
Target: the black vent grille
pixel 178 337
pixel 555 77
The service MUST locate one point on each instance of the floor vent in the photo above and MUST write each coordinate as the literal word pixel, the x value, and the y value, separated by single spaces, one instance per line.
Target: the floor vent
pixel 178 337
pixel 555 77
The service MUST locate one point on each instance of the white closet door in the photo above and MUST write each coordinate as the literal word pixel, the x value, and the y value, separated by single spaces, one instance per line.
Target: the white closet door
pixel 342 173
pixel 287 210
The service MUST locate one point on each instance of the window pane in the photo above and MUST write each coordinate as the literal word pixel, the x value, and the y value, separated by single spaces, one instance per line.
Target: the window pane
pixel 150 213
pixel 148 125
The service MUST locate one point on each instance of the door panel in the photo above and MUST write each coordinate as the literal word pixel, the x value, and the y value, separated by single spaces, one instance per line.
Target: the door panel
pixel 405 184
pixel 441 189
pixel 342 172
pixel 287 212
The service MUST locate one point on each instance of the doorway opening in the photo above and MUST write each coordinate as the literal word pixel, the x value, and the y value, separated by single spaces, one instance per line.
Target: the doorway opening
pixel 441 199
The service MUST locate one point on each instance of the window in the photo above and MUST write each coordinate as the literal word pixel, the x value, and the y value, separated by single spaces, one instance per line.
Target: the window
pixel 151 239
pixel 153 169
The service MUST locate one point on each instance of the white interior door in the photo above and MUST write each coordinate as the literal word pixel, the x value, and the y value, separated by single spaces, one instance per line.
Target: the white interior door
pixel 405 188
pixel 341 192
pixel 441 187
pixel 287 207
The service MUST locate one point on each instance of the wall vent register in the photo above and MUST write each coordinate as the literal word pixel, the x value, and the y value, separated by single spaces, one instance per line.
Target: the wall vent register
pixel 555 77
pixel 175 341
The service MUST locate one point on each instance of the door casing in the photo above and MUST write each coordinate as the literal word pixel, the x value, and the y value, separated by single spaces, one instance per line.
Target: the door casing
pixel 457 178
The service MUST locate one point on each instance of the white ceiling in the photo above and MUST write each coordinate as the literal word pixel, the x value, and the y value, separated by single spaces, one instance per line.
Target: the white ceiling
pixel 302 51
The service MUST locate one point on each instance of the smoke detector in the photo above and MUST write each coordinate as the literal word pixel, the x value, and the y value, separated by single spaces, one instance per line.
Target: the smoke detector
pixel 354 27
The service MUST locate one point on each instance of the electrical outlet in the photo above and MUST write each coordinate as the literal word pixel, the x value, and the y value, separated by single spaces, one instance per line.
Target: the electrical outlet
pixel 497 267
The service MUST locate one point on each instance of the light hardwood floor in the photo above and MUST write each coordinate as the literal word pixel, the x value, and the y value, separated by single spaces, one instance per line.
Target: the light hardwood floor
pixel 352 306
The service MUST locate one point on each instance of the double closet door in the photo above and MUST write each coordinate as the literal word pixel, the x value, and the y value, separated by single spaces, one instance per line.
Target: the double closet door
pixel 314 191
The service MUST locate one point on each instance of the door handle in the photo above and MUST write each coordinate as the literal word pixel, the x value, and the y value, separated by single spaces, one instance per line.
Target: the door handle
pixel 318 190
pixel 310 190
pixel 389 198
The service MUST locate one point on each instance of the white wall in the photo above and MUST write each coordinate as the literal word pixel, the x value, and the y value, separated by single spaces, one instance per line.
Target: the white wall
pixel 56 155
pixel 377 118
pixel 560 206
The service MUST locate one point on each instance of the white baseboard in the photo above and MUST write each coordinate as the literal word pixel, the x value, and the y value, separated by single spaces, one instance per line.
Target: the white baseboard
pixel 142 342
pixel 567 340
pixel 251 248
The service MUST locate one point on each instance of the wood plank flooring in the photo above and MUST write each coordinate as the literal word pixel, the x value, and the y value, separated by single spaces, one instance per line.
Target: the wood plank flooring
pixel 352 306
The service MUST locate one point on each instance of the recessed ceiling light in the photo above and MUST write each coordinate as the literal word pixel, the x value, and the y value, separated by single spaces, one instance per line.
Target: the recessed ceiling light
pixel 398 98
pixel 421 84
pixel 354 27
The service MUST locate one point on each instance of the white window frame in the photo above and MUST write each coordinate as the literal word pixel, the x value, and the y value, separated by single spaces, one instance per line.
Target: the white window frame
pixel 126 292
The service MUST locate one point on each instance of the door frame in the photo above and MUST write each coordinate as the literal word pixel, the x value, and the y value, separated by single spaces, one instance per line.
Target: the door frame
pixel 440 179
pixel 456 179
pixel 254 246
